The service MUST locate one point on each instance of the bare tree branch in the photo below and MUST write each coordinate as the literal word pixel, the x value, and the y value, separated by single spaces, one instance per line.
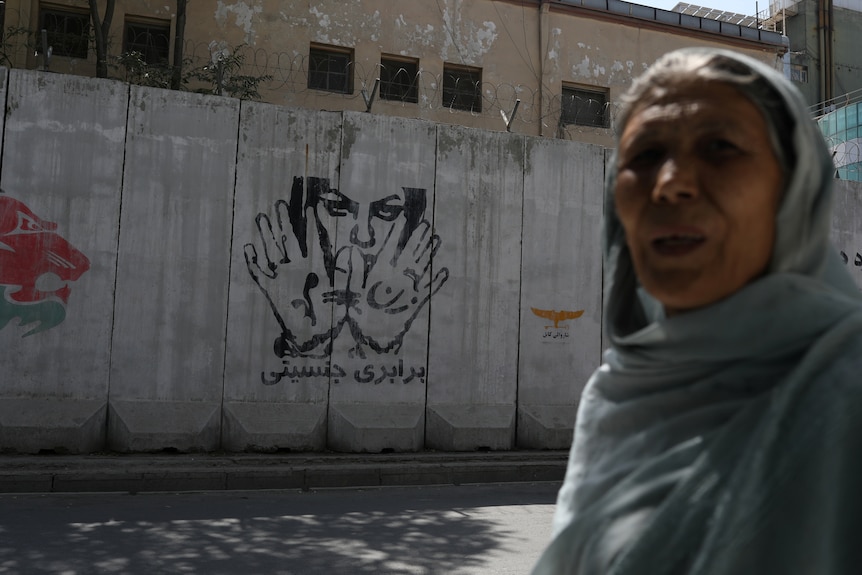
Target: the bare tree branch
pixel 101 28
pixel 179 41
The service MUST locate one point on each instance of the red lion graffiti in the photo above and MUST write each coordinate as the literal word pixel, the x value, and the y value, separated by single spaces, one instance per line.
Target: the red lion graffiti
pixel 36 267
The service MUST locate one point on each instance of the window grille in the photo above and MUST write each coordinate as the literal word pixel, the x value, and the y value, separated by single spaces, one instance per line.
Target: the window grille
pixel 584 107
pixel 152 41
pixel 462 88
pixel 399 79
pixel 330 69
pixel 68 32
pixel 799 73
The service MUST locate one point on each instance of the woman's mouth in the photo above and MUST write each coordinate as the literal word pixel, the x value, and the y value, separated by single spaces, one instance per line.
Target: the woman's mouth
pixel 676 244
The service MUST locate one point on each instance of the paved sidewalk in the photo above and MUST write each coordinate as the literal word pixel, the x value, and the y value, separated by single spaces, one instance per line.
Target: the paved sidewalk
pixel 212 472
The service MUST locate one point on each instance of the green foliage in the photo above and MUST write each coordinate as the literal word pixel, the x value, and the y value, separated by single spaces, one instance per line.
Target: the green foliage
pixel 9 40
pixel 222 75
pixel 133 69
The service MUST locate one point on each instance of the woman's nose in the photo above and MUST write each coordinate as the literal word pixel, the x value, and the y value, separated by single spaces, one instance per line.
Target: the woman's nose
pixel 676 181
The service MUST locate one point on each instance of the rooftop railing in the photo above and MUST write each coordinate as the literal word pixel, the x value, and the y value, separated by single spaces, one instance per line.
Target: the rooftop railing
pixel 679 19
pixel 822 108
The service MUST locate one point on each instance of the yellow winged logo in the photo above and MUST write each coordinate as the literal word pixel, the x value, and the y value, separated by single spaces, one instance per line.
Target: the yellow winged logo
pixel 557 316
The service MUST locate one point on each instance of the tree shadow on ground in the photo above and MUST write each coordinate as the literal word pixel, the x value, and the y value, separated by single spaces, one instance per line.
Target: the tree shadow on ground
pixel 395 531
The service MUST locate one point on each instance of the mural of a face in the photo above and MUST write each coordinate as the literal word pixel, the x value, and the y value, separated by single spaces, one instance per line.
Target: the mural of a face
pixel 362 225
pixel 37 266
pixel 375 274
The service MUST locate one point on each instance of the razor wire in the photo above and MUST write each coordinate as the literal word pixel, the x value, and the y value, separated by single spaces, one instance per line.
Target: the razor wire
pixel 288 80
pixel 847 157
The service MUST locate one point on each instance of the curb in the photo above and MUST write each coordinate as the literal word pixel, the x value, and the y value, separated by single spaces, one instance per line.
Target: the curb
pixel 217 472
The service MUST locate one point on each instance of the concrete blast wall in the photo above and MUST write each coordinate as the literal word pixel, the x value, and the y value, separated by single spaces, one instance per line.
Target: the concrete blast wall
pixel 191 272
pixel 847 226
pixel 194 273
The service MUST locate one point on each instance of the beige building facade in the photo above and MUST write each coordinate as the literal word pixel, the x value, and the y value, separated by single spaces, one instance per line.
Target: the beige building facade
pixel 549 68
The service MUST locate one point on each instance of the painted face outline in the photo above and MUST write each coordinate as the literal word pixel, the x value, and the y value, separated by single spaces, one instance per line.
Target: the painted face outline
pixel 374 215
pixel 351 301
pixel 365 224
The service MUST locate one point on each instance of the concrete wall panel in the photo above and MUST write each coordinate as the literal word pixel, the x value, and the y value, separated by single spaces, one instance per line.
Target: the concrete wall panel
pixel 62 164
pixel 561 287
pixel 173 271
pixel 847 226
pixel 4 85
pixel 473 349
pixel 383 246
pixel 277 373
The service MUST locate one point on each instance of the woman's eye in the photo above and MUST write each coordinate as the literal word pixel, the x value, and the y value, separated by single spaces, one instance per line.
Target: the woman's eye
pixel 721 146
pixel 644 158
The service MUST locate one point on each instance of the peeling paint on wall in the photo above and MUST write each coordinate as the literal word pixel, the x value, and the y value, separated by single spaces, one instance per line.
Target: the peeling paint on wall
pixel 419 35
pixel 244 14
pixel 583 69
pixel 322 19
pixel 554 45
pixel 466 41
pixel 344 29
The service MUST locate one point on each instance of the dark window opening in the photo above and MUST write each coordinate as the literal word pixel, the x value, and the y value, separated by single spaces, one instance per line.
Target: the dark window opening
pixel 584 107
pixel 799 73
pixel 399 79
pixel 68 32
pixel 152 41
pixel 462 88
pixel 330 69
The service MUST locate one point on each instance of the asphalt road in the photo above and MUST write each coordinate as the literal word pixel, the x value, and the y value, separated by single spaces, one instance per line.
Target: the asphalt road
pixel 449 530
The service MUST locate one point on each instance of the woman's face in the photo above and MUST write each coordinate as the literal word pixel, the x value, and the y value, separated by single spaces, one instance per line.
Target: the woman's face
pixel 697 191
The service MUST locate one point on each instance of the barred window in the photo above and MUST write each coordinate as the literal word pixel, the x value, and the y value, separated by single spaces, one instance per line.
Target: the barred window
pixel 399 79
pixel 68 32
pixel 799 73
pixel 330 68
pixel 584 107
pixel 152 41
pixel 462 88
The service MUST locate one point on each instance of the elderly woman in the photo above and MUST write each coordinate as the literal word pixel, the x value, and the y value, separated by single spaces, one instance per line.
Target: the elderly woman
pixel 723 434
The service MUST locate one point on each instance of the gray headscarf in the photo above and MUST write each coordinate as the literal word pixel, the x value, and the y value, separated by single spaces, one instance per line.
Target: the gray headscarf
pixel 701 432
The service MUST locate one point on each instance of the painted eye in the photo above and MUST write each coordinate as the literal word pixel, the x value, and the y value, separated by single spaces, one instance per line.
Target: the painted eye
pixel 26 224
pixel 337 205
pixel 388 213
pixel 388 208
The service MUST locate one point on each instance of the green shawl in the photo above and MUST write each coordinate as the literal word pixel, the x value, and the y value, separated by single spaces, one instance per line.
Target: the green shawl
pixel 726 440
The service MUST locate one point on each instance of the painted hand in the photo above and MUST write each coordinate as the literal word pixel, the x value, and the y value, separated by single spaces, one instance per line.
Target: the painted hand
pixel 292 286
pixel 392 286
